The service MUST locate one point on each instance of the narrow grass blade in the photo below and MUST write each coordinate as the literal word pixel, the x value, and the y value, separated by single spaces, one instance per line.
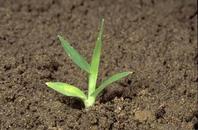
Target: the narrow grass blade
pixel 109 81
pixel 66 89
pixel 74 55
pixel 95 61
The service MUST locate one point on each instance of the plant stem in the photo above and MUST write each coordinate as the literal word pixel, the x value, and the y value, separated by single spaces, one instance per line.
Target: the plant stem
pixel 90 101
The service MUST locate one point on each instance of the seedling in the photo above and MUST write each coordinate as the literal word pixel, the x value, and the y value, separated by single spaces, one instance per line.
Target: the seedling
pixel 91 69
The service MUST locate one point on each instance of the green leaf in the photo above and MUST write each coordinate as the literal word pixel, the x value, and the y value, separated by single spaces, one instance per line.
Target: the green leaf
pixel 66 89
pixel 95 61
pixel 74 55
pixel 109 81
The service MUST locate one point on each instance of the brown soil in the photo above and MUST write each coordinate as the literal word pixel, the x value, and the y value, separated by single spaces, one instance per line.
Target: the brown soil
pixel 155 39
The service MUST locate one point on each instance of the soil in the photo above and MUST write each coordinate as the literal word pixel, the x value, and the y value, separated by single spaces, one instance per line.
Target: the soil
pixel 155 39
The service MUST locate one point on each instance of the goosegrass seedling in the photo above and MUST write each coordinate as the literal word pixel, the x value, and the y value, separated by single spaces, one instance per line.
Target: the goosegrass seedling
pixel 91 69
